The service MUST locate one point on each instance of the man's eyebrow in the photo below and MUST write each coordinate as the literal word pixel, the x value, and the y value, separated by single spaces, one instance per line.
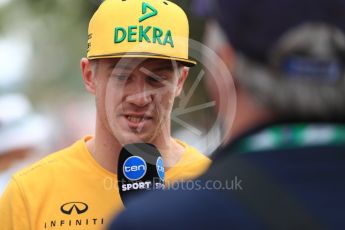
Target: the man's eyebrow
pixel 164 67
pixel 122 67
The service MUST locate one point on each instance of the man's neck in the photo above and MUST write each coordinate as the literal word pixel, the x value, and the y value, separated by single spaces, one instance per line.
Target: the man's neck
pixel 171 153
pixel 105 150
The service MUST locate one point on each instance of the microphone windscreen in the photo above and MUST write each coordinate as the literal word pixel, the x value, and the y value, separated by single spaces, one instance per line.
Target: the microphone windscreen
pixel 140 169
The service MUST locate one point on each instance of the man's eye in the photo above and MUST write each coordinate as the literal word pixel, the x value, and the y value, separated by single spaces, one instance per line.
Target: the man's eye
pixel 121 77
pixel 155 79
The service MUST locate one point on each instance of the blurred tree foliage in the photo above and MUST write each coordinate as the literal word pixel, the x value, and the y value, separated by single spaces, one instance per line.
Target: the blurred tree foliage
pixel 58 34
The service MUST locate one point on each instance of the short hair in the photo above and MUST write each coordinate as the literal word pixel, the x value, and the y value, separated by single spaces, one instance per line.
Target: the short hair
pixel 305 77
pixel 280 88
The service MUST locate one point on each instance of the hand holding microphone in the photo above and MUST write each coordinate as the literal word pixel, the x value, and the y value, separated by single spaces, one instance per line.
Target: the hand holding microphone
pixel 140 169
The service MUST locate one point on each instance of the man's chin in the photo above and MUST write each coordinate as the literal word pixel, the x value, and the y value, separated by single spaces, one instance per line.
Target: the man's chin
pixel 129 138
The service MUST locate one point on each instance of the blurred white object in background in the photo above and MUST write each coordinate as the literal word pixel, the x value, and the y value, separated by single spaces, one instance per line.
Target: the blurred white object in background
pixel 14 46
pixel 19 127
pixel 22 133
pixel 4 2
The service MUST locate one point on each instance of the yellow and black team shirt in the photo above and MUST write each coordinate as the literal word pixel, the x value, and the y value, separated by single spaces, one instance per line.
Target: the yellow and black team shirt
pixel 70 190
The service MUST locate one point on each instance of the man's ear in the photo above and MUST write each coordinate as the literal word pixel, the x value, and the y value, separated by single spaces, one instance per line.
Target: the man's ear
pixel 88 75
pixel 181 80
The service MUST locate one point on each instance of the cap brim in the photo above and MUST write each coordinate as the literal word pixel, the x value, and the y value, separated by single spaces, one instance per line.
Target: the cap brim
pixel 185 62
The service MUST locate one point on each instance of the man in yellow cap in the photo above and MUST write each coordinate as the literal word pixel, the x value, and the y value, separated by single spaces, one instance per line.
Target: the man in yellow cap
pixel 135 67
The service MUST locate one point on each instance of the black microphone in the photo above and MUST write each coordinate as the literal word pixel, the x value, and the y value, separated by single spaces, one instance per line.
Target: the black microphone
pixel 140 169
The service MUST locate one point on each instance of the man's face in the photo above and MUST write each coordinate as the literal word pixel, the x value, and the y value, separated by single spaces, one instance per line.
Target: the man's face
pixel 134 97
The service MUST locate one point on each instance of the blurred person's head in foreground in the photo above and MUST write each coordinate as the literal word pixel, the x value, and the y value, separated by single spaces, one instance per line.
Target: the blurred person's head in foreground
pixel 285 161
pixel 287 59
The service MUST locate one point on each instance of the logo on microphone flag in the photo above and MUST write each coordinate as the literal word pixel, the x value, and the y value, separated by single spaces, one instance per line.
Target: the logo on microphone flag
pixel 160 168
pixel 134 168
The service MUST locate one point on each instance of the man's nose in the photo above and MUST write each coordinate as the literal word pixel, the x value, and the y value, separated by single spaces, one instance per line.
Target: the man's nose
pixel 139 94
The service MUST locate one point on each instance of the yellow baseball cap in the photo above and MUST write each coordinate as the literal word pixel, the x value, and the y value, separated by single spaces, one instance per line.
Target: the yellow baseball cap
pixel 139 29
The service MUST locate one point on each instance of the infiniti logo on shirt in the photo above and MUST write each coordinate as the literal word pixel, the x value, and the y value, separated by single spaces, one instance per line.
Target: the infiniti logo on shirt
pixel 78 207
pixel 73 221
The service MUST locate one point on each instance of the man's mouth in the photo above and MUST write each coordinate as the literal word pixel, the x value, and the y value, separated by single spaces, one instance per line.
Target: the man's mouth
pixel 137 122
pixel 137 119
